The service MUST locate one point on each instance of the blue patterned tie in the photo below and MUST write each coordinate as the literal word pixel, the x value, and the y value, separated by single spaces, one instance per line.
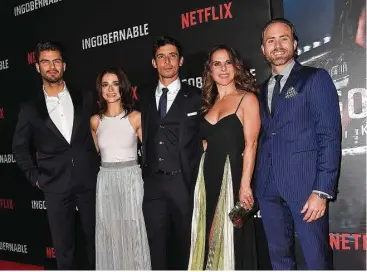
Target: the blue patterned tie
pixel 276 93
pixel 162 107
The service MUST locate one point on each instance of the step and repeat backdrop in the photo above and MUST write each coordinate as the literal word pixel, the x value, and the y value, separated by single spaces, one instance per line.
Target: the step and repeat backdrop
pixel 97 34
pixel 333 36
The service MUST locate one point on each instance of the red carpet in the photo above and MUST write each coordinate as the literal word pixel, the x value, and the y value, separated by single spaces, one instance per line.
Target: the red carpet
pixel 5 265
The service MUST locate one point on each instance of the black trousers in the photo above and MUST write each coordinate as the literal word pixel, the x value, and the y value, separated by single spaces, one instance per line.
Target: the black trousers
pixel 61 218
pixel 167 208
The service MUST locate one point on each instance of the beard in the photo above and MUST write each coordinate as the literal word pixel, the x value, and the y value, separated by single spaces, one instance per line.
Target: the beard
pixel 280 60
pixel 52 78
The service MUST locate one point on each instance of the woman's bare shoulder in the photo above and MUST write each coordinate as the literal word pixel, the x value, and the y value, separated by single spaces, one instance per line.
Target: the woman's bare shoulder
pixel 134 114
pixel 94 121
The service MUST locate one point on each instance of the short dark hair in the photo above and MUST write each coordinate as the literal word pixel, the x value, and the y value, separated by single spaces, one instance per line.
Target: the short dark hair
pixel 49 46
pixel 279 20
pixel 164 40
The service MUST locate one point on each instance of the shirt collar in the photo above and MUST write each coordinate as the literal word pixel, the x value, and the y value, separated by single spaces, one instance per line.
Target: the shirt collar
pixel 287 70
pixel 58 96
pixel 173 87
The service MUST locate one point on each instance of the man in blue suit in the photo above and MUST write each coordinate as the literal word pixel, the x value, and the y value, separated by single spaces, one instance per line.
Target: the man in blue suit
pixel 299 154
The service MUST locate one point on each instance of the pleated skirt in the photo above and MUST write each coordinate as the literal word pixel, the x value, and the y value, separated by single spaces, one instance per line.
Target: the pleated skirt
pixel 121 239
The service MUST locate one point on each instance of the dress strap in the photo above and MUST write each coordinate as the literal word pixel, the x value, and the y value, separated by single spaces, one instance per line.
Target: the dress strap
pixel 239 104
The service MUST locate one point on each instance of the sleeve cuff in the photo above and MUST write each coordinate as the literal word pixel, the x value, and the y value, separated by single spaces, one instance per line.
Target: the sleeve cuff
pixel 322 193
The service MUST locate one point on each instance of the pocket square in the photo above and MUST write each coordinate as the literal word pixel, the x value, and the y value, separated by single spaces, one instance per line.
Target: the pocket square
pixel 291 92
pixel 192 113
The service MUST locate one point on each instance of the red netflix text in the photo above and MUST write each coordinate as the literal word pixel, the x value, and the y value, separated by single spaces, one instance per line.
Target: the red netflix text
pixel 7 204
pixel 347 241
pixel 50 253
pixel 31 58
pixel 2 113
pixel 204 15
pixel 133 92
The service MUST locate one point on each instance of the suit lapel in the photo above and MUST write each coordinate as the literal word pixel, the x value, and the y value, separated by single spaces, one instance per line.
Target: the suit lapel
pixel 151 106
pixel 264 96
pixel 292 79
pixel 42 111
pixel 77 100
pixel 181 98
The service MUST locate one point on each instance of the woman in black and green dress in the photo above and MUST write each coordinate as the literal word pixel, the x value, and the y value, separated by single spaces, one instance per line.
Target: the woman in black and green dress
pixel 230 129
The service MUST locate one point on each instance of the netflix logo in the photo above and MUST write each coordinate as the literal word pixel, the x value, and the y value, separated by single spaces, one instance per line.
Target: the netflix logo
pixel 133 92
pixel 31 57
pixel 347 241
pixel 50 253
pixel 2 116
pixel 6 204
pixel 204 15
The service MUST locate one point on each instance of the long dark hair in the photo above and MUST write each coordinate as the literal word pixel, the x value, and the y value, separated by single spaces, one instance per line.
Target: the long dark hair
pixel 127 101
pixel 243 79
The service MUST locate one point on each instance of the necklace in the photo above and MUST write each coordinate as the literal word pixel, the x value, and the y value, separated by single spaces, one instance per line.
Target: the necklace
pixel 113 116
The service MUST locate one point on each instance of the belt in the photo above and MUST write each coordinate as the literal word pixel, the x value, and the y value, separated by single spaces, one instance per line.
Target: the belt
pixel 121 164
pixel 169 173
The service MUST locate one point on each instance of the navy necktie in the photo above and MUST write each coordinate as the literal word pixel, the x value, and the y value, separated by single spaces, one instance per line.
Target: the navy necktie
pixel 276 93
pixel 162 106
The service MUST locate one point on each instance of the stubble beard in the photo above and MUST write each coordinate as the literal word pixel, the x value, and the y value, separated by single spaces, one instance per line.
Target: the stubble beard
pixel 53 79
pixel 278 61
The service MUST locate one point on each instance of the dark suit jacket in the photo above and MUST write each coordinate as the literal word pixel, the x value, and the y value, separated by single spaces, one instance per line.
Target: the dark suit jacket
pixel 188 100
pixel 301 144
pixel 60 166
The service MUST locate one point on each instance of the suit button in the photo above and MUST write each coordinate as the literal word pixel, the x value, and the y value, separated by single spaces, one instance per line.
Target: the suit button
pixel 161 126
pixel 161 142
pixel 160 159
pixel 273 133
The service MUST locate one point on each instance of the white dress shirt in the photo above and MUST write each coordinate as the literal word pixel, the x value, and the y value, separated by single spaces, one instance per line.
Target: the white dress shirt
pixel 285 73
pixel 61 111
pixel 173 89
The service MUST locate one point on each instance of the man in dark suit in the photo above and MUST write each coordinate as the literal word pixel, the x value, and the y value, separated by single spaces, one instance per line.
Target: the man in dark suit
pixel 170 157
pixel 56 122
pixel 299 154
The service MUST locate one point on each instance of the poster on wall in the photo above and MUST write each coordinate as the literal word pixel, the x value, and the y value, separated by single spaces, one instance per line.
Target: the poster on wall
pixel 332 36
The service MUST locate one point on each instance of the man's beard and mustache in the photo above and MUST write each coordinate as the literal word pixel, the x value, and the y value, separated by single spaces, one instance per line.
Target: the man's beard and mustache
pixel 280 59
pixel 54 78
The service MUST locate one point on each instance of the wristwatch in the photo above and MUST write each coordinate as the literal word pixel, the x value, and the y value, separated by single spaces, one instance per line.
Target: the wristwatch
pixel 322 196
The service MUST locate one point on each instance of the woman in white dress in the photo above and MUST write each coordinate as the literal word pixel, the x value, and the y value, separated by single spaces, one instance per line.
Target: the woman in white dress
pixel 121 240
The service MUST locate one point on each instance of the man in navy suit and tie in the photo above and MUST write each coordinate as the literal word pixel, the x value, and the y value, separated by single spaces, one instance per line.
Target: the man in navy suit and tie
pixel 171 155
pixel 300 148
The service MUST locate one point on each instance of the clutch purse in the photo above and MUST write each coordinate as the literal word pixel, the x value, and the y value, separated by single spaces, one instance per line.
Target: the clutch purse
pixel 239 215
